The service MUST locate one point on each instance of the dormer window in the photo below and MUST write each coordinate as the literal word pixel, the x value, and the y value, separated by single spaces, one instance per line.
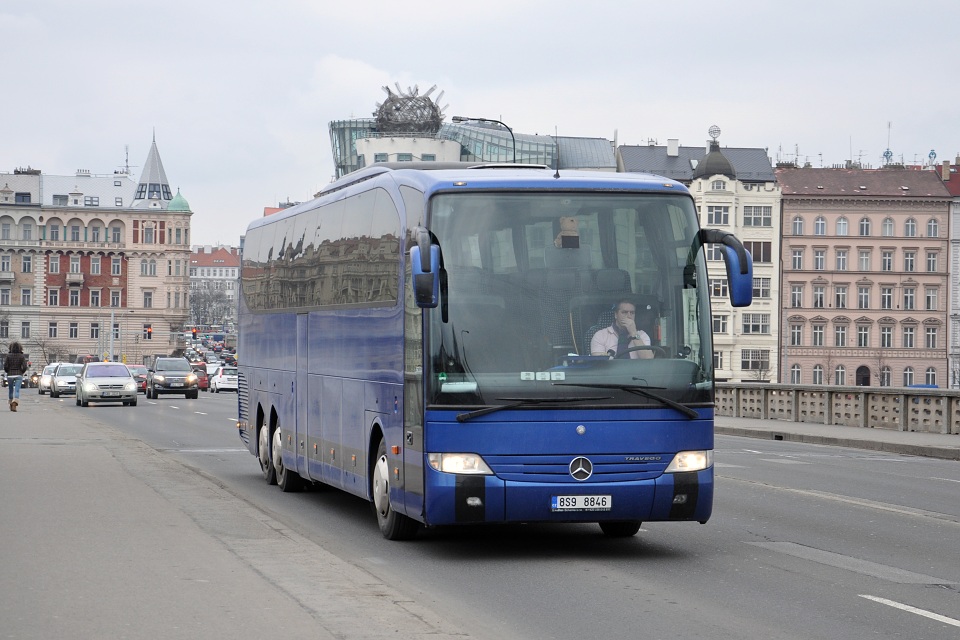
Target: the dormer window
pixel 718 185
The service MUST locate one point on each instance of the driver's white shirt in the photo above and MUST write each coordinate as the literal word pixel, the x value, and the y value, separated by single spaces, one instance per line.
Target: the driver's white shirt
pixel 605 340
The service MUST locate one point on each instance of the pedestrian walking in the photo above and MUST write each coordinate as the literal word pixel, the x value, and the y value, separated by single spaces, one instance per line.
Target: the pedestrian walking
pixel 15 365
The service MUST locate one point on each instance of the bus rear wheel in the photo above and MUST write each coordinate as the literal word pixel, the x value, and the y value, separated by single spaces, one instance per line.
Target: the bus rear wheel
pixel 393 525
pixel 623 529
pixel 288 480
pixel 263 454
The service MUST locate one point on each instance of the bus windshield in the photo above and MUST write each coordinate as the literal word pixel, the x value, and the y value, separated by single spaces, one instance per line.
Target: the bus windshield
pixel 533 284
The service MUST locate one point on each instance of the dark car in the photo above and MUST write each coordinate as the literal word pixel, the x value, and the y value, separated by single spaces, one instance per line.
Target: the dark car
pixel 172 375
pixel 139 373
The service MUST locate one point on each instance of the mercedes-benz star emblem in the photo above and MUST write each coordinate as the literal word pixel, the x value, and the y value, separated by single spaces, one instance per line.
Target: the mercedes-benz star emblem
pixel 581 468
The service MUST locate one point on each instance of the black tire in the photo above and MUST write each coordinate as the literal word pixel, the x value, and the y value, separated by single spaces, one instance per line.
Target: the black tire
pixel 288 480
pixel 78 399
pixel 263 453
pixel 54 394
pixel 393 525
pixel 622 529
pixel 192 395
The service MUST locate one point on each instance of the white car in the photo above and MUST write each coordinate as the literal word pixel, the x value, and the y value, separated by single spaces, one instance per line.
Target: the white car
pixel 224 379
pixel 46 378
pixel 64 379
pixel 106 382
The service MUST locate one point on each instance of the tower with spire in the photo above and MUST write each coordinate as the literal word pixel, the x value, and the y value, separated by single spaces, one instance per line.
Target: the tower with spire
pixel 153 190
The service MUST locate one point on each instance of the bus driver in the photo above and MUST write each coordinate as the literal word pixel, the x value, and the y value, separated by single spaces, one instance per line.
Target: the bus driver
pixel 621 335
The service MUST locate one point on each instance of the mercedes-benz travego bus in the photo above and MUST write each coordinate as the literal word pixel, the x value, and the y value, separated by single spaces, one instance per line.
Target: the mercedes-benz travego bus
pixel 421 338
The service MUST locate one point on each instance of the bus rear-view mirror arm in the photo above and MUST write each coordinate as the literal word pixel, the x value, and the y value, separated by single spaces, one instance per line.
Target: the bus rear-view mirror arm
pixel 425 268
pixel 738 261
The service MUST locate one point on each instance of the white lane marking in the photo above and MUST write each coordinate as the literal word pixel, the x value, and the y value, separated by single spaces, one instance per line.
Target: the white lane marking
pixel 783 461
pixel 752 451
pixel 945 479
pixel 909 609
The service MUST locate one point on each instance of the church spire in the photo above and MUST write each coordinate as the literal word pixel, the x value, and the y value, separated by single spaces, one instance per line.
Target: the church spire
pixel 153 190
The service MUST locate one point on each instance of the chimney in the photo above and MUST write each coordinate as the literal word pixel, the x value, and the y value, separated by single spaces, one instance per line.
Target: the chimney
pixel 673 147
pixel 946 171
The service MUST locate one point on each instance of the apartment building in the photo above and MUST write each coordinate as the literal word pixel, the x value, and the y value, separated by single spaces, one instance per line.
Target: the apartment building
pixel 214 278
pixel 93 264
pixel 865 276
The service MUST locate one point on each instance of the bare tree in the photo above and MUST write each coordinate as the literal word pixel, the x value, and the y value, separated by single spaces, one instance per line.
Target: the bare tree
pixel 50 350
pixel 209 306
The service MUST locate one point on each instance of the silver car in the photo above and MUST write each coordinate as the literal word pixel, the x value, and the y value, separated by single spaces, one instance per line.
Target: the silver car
pixel 64 379
pixel 106 382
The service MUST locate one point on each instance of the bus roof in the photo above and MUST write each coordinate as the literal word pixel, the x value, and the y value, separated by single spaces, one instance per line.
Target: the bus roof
pixel 433 177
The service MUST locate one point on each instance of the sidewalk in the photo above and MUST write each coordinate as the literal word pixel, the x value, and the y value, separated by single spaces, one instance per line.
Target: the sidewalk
pixel 105 537
pixel 932 445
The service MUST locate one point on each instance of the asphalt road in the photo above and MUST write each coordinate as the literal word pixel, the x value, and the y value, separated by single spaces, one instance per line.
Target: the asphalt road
pixel 806 541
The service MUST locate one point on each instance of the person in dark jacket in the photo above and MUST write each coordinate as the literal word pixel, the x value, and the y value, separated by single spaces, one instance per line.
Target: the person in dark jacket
pixel 15 365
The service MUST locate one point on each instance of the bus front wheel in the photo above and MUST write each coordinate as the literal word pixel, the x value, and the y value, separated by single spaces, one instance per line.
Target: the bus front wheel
pixel 623 529
pixel 393 525
pixel 263 454
pixel 287 480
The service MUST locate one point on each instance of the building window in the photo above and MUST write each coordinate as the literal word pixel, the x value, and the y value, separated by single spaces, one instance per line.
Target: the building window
pixel 95 265
pixel 5 329
pixel 841 226
pixel 841 374
pixel 718 215
pixel 54 232
pixel 25 329
pixel 761 287
pixel 886 260
pixel 94 298
pixel 864 226
pixel 908 376
pixel 718 185
pixel 886 337
pixel 932 260
pixel 819 259
pixel 932 295
pixel 797 259
pixel 147 299
pixel 5 231
pixel 5 263
pixel 74 330
pixel 886 297
pixel 931 337
pixel 27 231
pixel 798 226
pixel 380 157
pixel 756 323
pixel 4 297
pixel 54 264
pixel 795 374
pixel 796 296
pixel 91 201
pixel 718 359
pixel 60 200
pixel 841 259
pixel 26 297
pixel 840 292
pixel 818 374
pixel 761 251
pixel 910 228
pixel 840 336
pixel 909 335
pixel 933 228
pixel 52 330
pixel 26 264
pixel 886 375
pixel 931 377
pixel 757 216
pixel 115 235
pixel 114 298
pixel 74 297
pixel 720 324
pixel 863 336
pixel 429 157
pixel 796 335
pixel 864 259
pixel 719 287
pixel 755 359
pixel 53 298
pixel 909 261
pixel 94 330
pixel 714 253
pixel 74 264
pixel 116 266
pixel 75 233
pixel 887 229
pixel 863 297
pixel 819 296
pixel 909 298
pixel 818 332
pixel 820 226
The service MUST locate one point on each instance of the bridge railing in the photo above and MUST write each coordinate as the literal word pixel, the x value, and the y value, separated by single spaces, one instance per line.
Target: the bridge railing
pixel 896 408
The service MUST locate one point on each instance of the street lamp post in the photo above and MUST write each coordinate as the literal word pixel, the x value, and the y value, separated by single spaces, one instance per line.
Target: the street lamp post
pixel 513 139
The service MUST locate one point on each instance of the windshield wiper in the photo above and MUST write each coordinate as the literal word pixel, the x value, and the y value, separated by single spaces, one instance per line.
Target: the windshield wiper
pixel 519 402
pixel 640 390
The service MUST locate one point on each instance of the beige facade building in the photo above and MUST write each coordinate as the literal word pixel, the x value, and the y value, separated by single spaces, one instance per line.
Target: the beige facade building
pixel 93 264
pixel 866 279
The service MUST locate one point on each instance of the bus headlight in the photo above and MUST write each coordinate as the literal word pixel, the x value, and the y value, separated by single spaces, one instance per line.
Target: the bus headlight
pixel 463 463
pixel 691 461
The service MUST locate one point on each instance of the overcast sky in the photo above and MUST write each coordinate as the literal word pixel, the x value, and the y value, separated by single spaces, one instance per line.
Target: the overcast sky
pixel 239 93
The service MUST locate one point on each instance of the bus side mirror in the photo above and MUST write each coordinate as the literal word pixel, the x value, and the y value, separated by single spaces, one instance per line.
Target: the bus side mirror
pixel 425 267
pixel 739 264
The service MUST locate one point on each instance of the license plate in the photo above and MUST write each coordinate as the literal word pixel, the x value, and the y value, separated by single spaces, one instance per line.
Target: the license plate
pixel 581 503
pixel 176 384
pixel 111 394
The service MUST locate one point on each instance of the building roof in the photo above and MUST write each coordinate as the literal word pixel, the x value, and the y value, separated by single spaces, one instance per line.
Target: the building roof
pixel 715 163
pixel 153 190
pixel 179 203
pixel 881 183
pixel 751 165
pixel 217 257
pixel 952 183
pixel 585 153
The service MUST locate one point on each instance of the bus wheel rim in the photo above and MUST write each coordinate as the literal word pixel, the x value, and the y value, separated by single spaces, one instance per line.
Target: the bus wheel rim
pixel 381 488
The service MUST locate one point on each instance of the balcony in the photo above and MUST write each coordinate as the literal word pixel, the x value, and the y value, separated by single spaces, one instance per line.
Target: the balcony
pixel 74 279
pixel 6 276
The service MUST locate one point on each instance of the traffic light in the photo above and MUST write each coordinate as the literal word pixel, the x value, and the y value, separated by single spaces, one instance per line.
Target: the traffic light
pixel 194 333
pixel 150 333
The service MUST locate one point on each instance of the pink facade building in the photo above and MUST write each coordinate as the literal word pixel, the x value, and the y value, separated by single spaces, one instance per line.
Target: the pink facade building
pixel 865 279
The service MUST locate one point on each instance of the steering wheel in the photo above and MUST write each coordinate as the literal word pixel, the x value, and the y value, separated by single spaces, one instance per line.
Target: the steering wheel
pixel 658 352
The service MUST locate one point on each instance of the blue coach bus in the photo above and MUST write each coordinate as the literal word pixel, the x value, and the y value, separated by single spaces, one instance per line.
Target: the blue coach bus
pixel 421 338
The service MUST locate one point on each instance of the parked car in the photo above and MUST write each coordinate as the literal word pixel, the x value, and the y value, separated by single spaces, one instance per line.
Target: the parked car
pixel 106 382
pixel 139 373
pixel 225 379
pixel 46 377
pixel 172 375
pixel 203 380
pixel 64 379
